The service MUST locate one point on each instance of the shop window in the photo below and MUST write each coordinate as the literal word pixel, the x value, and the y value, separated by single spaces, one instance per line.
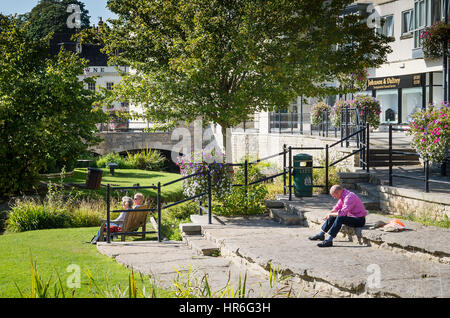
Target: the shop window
pixel 388 99
pixel 411 102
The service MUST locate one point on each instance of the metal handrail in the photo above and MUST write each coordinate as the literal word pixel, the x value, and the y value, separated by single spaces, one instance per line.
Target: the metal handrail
pixel 287 171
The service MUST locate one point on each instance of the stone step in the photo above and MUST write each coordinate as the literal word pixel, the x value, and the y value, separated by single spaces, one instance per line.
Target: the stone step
pixel 285 217
pixel 191 228
pixel 343 270
pixel 385 163
pixel 369 190
pixel 201 246
pixel 417 241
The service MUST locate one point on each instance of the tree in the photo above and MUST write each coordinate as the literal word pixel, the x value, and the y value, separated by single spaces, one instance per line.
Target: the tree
pixel 226 60
pixel 46 113
pixel 51 16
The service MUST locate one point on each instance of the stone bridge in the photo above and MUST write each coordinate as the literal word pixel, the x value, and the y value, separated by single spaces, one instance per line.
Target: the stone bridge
pixel 180 140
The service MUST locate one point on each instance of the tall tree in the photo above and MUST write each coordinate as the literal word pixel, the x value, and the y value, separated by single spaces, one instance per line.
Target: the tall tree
pixel 51 16
pixel 226 60
pixel 46 111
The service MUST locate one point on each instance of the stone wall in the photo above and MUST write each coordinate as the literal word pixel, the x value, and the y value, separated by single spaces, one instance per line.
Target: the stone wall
pixel 258 145
pixel 404 201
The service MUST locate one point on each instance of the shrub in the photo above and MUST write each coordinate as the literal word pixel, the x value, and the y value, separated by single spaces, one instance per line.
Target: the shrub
pixel 146 159
pixel 221 175
pixel 113 158
pixel 317 112
pixel 54 212
pixel 240 201
pixel 30 216
pixel 174 216
pixel 319 176
pixel 430 129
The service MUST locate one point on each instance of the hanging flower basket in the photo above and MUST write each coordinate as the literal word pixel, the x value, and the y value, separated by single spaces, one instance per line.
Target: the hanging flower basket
pixel 369 108
pixel 317 112
pixel 356 81
pixel 433 39
pixel 336 111
pixel 430 131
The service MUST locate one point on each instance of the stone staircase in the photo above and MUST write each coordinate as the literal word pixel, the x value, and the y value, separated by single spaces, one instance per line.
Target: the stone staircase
pixel 380 157
pixel 412 263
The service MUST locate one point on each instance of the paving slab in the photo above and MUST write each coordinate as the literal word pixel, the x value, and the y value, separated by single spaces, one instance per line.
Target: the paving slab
pixel 418 239
pixel 163 260
pixel 346 269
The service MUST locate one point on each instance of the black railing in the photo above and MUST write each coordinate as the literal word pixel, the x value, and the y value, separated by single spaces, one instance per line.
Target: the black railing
pixel 287 173
pixel 363 144
pixel 426 167
pixel 208 193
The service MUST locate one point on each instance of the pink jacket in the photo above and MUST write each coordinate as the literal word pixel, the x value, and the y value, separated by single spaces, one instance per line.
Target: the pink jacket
pixel 350 205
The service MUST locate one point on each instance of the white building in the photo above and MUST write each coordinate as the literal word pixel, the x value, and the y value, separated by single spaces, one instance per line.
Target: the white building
pixel 407 82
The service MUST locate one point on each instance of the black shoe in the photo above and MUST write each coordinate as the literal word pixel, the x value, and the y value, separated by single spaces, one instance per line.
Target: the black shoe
pixel 317 237
pixel 326 243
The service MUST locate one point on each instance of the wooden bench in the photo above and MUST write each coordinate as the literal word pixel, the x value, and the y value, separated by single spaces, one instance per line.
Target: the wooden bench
pixel 131 223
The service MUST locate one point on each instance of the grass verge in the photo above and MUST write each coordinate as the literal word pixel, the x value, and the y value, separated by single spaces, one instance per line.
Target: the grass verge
pixel 57 250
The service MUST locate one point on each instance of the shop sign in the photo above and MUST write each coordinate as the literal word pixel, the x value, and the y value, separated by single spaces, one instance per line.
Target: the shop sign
pixel 403 81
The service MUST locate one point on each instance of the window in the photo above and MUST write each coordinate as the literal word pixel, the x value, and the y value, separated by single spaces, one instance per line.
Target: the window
pixel 411 102
pixel 109 85
pixel 91 87
pixel 387 26
pixel 388 99
pixel 426 12
pixel 407 21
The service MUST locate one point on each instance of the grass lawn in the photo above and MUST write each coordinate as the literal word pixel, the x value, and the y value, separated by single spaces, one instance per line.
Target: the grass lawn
pixel 129 177
pixel 54 250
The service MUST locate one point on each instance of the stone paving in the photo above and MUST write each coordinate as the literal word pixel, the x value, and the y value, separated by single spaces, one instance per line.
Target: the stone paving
pixel 414 263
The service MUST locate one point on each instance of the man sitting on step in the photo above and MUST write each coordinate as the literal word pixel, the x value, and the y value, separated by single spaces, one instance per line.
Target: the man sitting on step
pixel 349 210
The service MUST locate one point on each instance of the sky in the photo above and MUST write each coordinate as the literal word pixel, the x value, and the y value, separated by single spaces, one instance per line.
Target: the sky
pixel 96 8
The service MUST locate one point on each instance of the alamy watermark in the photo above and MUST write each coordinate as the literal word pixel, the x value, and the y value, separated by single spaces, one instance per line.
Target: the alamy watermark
pixel 74 19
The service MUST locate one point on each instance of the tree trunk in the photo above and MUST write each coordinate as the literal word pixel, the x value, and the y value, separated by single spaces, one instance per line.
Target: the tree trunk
pixel 226 143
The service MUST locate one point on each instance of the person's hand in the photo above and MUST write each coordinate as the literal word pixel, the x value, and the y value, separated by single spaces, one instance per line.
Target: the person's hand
pixel 326 217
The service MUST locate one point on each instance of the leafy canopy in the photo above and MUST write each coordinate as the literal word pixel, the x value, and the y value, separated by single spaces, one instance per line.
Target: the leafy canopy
pixel 51 16
pixel 46 113
pixel 226 60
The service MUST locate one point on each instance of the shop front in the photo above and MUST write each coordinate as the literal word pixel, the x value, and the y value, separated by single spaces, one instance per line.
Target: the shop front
pixel 401 96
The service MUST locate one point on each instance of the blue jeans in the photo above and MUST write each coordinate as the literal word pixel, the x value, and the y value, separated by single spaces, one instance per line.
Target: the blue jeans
pixel 334 224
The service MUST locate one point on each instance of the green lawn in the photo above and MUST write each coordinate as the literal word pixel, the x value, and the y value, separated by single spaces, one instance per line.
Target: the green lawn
pixel 129 177
pixel 54 250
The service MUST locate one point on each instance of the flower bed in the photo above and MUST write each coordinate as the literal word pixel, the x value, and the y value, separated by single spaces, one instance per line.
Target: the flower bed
pixel 430 129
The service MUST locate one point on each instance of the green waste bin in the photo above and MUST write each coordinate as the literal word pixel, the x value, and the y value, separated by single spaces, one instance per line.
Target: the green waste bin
pixel 303 178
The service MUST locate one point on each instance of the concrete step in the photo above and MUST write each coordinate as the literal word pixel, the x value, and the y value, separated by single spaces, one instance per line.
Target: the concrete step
pixel 345 270
pixel 385 163
pixel 369 190
pixel 201 246
pixel 191 228
pixel 417 241
pixel 286 217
